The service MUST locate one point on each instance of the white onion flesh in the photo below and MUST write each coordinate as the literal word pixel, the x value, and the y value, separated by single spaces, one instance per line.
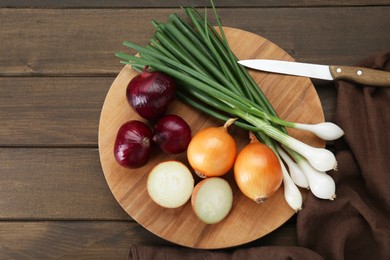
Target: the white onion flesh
pixel 212 200
pixel 170 184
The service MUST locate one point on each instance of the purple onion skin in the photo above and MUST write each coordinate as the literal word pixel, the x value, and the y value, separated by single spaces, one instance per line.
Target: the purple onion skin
pixel 151 93
pixel 172 134
pixel 133 144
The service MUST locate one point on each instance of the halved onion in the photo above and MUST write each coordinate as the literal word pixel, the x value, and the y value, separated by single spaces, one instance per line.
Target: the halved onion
pixel 170 184
pixel 212 200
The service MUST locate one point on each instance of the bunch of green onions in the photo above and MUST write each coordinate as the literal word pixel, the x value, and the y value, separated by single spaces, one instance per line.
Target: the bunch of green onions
pixel 210 79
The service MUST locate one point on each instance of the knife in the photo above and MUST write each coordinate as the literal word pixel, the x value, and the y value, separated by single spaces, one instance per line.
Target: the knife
pixel 325 72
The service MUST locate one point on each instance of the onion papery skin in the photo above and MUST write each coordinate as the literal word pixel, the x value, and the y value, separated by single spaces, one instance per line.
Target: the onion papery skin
pixel 257 172
pixel 211 152
pixel 212 200
pixel 151 93
pixel 170 184
pixel 133 144
pixel 172 134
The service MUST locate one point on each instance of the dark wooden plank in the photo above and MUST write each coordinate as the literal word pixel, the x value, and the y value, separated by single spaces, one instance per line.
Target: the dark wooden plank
pixel 82 41
pixel 94 240
pixel 55 184
pixel 71 239
pixel 39 111
pixel 65 111
pixel 327 93
pixel 172 3
pixel 45 184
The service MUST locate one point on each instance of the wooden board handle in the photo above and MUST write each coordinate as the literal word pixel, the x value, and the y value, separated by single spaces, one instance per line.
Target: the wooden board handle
pixel 361 75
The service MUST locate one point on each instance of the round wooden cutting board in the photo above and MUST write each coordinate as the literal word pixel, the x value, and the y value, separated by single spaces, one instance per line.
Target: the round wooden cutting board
pixel 294 98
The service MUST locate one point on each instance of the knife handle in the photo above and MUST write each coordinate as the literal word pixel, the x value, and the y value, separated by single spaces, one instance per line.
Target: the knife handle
pixel 361 75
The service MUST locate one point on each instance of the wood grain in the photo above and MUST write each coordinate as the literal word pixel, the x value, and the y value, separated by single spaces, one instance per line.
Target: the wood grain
pixel 83 41
pixel 94 239
pixel 71 240
pixel 56 51
pixel 65 111
pixel 172 3
pixel 365 76
pixel 59 183
pixel 54 111
pixel 247 221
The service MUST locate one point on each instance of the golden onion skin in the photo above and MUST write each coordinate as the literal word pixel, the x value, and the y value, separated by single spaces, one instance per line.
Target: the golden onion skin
pixel 212 152
pixel 257 171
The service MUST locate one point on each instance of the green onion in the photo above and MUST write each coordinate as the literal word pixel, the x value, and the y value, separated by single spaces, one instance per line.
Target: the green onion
pixel 210 79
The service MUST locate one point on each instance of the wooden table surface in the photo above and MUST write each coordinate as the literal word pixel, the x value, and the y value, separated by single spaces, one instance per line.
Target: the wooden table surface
pixel 56 65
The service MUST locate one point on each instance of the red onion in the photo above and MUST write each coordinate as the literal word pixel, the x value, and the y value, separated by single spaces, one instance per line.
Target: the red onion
pixel 150 93
pixel 172 134
pixel 133 144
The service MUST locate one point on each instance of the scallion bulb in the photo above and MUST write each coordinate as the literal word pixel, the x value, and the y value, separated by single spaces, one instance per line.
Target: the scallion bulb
pixel 326 130
pixel 295 171
pixel 292 194
pixel 321 184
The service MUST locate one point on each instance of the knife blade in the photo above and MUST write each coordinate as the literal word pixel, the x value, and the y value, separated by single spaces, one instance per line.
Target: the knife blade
pixel 325 72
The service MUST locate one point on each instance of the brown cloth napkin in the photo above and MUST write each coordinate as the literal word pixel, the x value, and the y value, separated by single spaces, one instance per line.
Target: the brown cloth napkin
pixel 357 224
pixel 141 252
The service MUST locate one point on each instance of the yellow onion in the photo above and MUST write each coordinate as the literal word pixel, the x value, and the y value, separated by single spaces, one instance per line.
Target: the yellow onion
pixel 257 171
pixel 212 151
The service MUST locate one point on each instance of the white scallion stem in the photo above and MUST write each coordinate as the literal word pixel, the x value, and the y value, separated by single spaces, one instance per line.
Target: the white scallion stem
pixel 320 158
pixel 326 130
pixel 321 184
